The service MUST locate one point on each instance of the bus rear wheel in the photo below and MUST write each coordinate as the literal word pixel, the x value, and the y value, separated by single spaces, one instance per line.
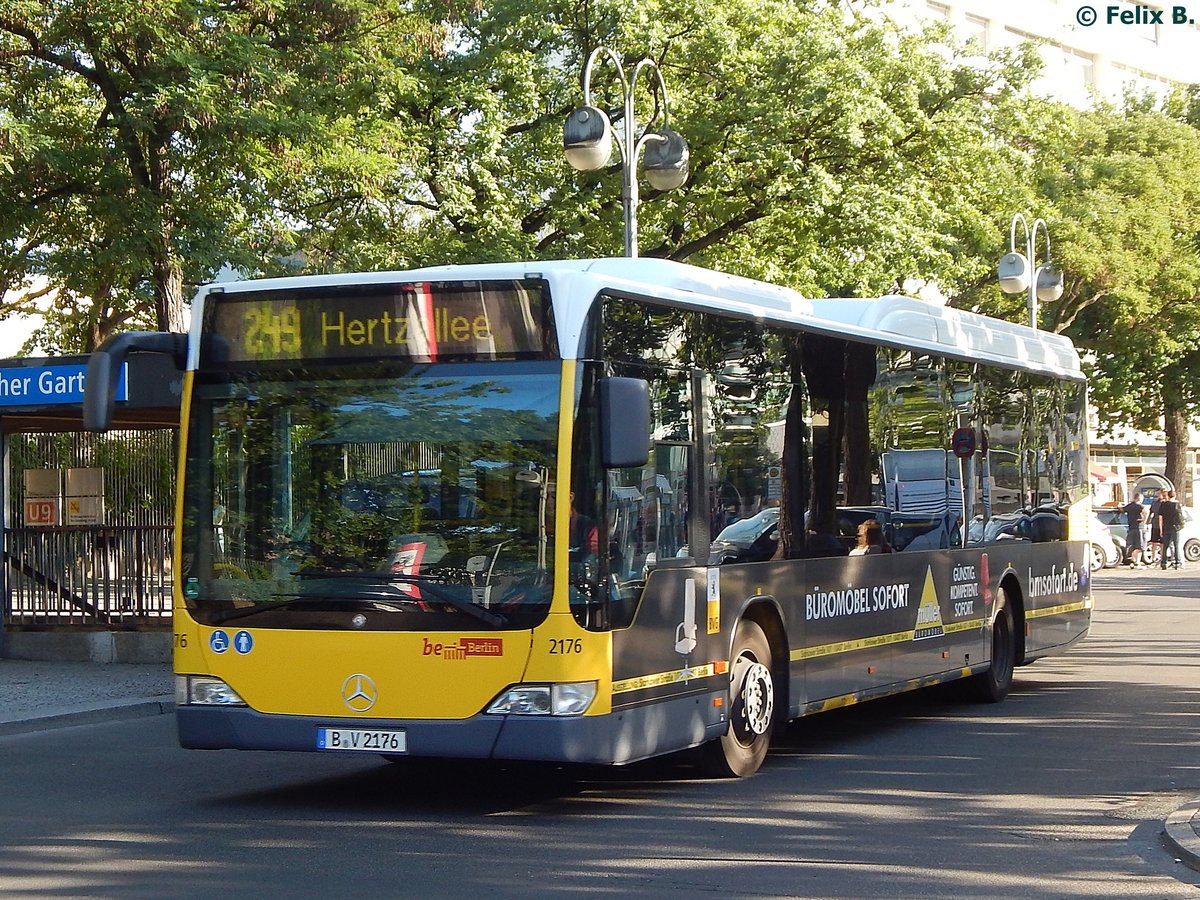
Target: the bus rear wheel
pixel 993 685
pixel 741 750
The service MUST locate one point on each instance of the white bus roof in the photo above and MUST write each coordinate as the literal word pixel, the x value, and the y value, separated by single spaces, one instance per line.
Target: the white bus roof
pixel 894 321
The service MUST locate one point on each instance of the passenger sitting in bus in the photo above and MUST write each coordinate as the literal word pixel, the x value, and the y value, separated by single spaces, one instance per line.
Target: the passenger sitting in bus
pixel 870 539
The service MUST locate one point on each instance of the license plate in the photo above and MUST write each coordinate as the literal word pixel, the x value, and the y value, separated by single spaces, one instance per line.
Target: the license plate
pixel 370 740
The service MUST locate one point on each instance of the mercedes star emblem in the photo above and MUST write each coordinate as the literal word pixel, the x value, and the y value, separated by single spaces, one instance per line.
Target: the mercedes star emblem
pixel 359 692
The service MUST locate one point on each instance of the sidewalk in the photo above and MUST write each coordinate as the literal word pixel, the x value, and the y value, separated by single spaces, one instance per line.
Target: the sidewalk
pixel 1183 834
pixel 37 695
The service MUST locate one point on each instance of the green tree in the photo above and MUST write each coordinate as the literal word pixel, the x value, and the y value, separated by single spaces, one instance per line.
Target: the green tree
pixel 828 153
pixel 143 145
pixel 1121 191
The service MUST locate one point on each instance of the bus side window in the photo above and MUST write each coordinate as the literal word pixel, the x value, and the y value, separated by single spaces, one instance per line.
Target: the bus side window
pixel 648 505
pixel 672 478
pixel 648 517
pixel 745 404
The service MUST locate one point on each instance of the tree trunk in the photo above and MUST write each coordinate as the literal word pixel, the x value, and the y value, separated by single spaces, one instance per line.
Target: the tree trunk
pixel 1176 428
pixel 825 380
pixel 166 268
pixel 168 283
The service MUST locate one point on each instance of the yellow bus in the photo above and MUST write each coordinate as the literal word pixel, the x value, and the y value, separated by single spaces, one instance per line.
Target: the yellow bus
pixel 602 510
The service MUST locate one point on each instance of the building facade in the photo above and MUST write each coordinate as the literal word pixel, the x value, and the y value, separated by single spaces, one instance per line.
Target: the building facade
pixel 1121 457
pixel 1090 50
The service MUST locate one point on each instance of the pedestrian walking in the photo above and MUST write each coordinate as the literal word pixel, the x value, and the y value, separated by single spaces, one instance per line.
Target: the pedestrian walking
pixel 1135 519
pixel 1170 514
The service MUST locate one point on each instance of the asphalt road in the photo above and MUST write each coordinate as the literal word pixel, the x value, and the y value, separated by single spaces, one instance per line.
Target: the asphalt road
pixel 1058 792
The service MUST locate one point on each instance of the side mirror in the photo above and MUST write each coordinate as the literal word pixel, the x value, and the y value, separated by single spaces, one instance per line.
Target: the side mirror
pixel 104 370
pixel 624 422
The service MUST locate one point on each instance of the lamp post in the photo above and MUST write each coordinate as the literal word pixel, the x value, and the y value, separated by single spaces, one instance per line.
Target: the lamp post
pixel 588 139
pixel 1045 283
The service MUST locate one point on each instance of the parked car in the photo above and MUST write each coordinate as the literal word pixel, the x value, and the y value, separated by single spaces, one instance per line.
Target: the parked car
pixel 1046 524
pixel 747 540
pixel 1106 552
pixel 1190 538
pixel 1114 518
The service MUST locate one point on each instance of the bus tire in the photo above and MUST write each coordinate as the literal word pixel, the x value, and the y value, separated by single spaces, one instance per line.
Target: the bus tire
pixel 741 750
pixel 993 685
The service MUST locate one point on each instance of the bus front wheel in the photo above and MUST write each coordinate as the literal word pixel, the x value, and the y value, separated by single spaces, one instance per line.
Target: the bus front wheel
pixel 993 685
pixel 741 750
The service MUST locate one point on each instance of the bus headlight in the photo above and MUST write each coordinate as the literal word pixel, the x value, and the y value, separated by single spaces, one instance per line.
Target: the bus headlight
pixel 203 690
pixel 545 699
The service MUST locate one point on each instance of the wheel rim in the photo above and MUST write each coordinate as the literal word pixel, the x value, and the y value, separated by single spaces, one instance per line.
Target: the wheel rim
pixel 1098 558
pixel 1191 551
pixel 755 699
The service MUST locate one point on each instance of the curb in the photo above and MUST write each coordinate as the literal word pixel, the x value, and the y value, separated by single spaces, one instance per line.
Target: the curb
pixel 138 709
pixel 1181 833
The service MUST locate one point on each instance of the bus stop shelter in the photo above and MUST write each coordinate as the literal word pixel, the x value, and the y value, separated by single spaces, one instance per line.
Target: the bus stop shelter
pixel 87 518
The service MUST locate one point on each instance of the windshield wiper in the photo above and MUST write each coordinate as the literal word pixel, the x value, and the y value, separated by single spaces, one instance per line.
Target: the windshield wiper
pixel 375 601
pixel 427 582
pixel 232 614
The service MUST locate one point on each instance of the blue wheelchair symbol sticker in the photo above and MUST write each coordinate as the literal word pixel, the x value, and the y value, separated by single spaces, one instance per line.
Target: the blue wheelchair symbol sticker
pixel 218 641
pixel 243 642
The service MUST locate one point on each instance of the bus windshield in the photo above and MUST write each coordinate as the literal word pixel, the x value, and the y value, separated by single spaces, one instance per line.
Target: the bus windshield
pixel 405 497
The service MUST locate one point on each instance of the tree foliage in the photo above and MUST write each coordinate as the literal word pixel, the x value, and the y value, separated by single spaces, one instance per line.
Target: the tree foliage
pixel 828 153
pixel 1120 188
pixel 1122 194
pixel 143 145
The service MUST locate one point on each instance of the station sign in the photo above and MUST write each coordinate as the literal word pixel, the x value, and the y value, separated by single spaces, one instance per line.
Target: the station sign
pixel 43 511
pixel 47 505
pixel 50 385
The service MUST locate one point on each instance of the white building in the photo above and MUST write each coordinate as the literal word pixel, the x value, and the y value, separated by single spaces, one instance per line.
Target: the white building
pixel 1127 46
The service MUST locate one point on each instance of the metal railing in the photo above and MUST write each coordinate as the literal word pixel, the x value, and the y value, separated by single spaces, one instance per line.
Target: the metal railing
pixel 88 575
pixel 114 575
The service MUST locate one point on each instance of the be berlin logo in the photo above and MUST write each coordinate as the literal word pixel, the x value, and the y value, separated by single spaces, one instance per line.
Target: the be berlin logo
pixel 1139 15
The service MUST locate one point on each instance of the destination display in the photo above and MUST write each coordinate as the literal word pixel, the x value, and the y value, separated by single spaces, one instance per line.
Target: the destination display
pixel 424 322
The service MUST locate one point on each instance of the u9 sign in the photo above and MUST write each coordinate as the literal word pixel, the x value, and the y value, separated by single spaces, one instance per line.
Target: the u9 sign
pixel 41 511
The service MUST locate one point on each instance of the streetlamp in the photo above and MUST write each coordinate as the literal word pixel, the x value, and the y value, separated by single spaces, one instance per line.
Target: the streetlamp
pixel 588 139
pixel 1045 283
